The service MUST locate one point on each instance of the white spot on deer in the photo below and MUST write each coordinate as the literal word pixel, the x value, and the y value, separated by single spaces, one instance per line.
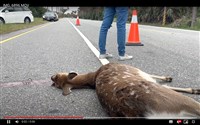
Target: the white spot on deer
pixel 126 68
pixel 132 84
pixel 110 82
pixel 115 84
pixel 114 89
pixel 98 82
pixel 116 78
pixel 146 76
pixel 126 103
pixel 145 86
pixel 126 76
pixel 132 92
pixel 102 85
pixel 128 73
pixel 101 75
pixel 102 90
pixel 148 91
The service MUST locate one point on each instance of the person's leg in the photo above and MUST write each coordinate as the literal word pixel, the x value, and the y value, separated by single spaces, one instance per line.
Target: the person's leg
pixel 122 15
pixel 109 13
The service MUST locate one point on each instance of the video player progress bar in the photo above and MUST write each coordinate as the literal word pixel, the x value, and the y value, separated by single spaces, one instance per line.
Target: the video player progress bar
pixel 43 117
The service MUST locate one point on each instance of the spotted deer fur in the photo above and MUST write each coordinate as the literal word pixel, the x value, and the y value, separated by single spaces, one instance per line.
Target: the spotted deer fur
pixel 126 91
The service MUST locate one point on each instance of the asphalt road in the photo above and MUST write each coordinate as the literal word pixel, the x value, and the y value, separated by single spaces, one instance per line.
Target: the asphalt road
pixel 28 61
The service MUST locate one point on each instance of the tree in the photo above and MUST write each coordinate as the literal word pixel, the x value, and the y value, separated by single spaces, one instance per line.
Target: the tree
pixel 94 13
pixel 38 11
pixel 63 10
pixel 194 16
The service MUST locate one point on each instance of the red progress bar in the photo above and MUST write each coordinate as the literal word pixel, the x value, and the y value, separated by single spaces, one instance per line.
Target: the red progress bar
pixel 43 117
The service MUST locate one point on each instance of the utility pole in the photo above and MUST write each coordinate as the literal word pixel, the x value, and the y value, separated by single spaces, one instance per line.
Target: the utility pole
pixel 164 15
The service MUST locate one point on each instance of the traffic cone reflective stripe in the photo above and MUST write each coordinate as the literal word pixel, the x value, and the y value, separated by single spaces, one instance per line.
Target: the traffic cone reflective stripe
pixel 133 38
pixel 77 21
pixel 134 17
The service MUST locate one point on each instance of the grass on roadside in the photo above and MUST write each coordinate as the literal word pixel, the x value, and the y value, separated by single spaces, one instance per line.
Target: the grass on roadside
pixel 7 28
pixel 186 25
pixel 180 24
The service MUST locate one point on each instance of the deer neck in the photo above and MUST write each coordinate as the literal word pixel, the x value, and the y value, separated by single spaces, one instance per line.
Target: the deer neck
pixel 84 79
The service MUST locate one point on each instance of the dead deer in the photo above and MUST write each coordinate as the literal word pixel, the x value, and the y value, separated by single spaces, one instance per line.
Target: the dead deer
pixel 126 91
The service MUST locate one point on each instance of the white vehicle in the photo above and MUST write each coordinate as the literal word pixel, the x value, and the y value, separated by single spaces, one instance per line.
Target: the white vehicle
pixel 16 14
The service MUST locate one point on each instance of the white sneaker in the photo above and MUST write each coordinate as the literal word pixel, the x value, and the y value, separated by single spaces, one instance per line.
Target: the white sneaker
pixel 104 56
pixel 125 57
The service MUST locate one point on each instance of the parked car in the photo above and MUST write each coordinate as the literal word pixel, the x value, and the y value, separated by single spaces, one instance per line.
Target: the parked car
pixel 50 16
pixel 16 14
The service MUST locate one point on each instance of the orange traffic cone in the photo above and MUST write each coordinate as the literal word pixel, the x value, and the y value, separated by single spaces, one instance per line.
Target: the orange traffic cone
pixel 77 21
pixel 134 39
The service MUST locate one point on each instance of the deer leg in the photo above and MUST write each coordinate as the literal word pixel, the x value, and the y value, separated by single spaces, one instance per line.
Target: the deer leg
pixel 163 78
pixel 66 90
pixel 186 90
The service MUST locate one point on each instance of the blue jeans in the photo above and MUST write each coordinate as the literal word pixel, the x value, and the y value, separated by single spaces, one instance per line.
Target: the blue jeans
pixel 122 15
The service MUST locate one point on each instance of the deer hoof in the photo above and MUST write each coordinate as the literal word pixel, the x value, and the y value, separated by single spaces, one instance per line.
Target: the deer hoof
pixel 169 79
pixel 195 91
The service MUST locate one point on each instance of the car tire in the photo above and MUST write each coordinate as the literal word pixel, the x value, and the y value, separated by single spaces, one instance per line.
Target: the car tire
pixel 27 20
pixel 2 21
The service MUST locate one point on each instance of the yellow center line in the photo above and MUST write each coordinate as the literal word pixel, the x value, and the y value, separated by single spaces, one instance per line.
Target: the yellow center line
pixel 6 40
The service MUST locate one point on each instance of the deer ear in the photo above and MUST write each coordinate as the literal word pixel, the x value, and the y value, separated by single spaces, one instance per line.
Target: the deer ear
pixel 71 75
pixel 54 78
pixel 53 84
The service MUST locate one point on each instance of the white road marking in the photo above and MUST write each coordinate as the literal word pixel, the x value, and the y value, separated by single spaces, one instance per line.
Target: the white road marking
pixel 94 50
pixel 167 28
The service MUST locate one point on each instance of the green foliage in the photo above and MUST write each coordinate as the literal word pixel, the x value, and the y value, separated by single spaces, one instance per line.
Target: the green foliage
pixel 175 16
pixel 7 28
pixel 185 23
pixel 93 13
pixel 198 12
pixel 38 11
